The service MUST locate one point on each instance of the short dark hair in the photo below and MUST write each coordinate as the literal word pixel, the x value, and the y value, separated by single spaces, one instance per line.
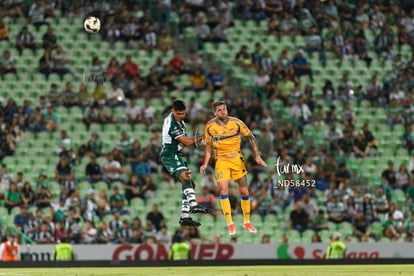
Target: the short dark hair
pixel 178 105
pixel 217 103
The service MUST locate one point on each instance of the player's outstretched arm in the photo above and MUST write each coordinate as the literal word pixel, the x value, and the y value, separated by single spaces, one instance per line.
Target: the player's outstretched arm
pixel 207 155
pixel 255 149
pixel 189 141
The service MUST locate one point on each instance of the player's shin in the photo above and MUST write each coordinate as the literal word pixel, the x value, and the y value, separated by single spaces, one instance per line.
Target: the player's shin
pixel 185 208
pixel 226 208
pixel 245 205
pixel 188 191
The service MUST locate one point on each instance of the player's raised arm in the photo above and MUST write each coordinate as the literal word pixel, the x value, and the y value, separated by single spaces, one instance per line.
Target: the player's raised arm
pixel 255 149
pixel 189 141
pixel 207 151
pixel 207 155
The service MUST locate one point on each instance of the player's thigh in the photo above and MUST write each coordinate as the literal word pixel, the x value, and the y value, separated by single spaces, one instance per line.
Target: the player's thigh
pixel 174 164
pixel 238 168
pixel 222 170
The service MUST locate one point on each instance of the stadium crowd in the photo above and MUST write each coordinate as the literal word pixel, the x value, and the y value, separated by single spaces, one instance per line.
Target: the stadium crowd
pixel 335 30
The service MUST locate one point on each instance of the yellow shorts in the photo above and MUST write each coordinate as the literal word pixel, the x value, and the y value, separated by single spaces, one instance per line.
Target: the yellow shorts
pixel 230 168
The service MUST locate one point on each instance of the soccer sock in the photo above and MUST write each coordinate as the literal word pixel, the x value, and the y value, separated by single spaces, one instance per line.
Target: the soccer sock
pixel 185 208
pixel 188 191
pixel 245 205
pixel 226 208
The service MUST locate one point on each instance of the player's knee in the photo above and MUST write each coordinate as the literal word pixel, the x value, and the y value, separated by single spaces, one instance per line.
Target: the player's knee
pixel 185 176
pixel 244 191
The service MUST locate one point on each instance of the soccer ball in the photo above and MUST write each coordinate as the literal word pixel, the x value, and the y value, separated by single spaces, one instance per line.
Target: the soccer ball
pixel 92 24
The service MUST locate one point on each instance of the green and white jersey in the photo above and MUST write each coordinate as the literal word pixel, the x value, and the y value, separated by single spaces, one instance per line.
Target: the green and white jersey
pixel 171 130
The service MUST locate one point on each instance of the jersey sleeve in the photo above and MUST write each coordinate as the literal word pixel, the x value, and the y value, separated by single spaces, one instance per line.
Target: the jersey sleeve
pixel 244 130
pixel 207 135
pixel 176 132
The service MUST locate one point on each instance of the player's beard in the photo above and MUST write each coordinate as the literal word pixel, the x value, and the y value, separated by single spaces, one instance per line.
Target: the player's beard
pixel 222 118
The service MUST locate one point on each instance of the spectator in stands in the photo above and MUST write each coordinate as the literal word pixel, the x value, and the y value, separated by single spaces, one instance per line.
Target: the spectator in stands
pixel 262 86
pixel 115 224
pixel 112 70
pixel 25 40
pixel 398 216
pixel 198 81
pixel 149 230
pixel 89 234
pixel 68 96
pixel 150 38
pixel 64 174
pixel 243 58
pixel 388 175
pixel 88 206
pixel 336 210
pixel 130 31
pixel 49 39
pixel 37 13
pixel 134 188
pixel 12 198
pixel 8 146
pixel 83 97
pixel 380 201
pixel 194 62
pixel 155 217
pixel 125 143
pixel 177 64
pixel 215 80
pixel 301 66
pixel 27 195
pixel 202 32
pixel 361 227
pixel 408 138
pixel 45 67
pixel 117 201
pixel 219 33
pixel 115 96
pixel 319 221
pixel 43 198
pixel 43 236
pixel 133 113
pixel 299 219
pixel 112 170
pixel 31 227
pixel 130 68
pixel 409 225
pixel 4 30
pixel 301 112
pixel 369 209
pixel 104 234
pixel 6 64
pixel 164 40
pixel 102 204
pixel 124 233
pixel 59 232
pixel 97 71
pixel 50 118
pixel 383 41
pixel 60 63
pixel 21 219
pixel 333 134
pixel 93 171
pixel 148 113
pixel 402 178
pixel 389 228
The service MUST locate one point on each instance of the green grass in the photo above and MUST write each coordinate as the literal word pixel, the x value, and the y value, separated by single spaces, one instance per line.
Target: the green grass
pixel 329 270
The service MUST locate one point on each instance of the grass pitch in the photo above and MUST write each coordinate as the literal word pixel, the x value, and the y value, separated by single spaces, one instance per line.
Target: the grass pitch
pixel 328 270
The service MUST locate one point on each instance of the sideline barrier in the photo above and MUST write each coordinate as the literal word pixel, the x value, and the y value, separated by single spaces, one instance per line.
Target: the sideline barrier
pixel 144 252
pixel 31 264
